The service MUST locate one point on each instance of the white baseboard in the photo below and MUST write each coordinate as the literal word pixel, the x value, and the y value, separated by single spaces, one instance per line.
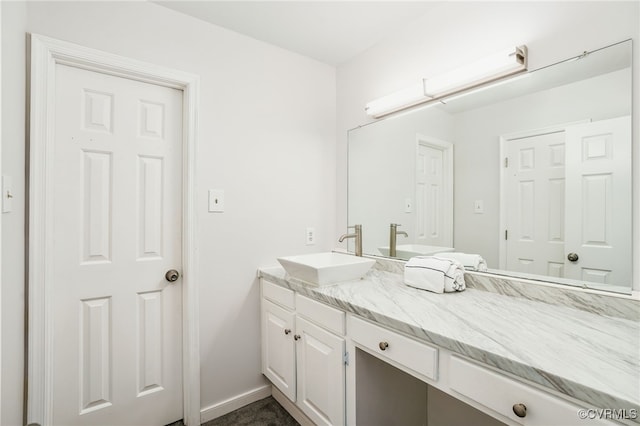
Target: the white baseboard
pixel 291 408
pixel 225 407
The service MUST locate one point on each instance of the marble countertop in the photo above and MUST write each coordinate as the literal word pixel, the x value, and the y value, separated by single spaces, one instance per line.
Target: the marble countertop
pixel 591 357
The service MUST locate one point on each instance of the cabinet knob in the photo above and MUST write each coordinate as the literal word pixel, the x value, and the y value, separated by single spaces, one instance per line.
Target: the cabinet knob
pixel 520 410
pixel 573 257
pixel 287 331
pixel 296 337
pixel 383 346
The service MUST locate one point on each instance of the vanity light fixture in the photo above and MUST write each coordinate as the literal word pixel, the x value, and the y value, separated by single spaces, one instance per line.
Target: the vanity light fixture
pixel 500 65
pixel 487 86
pixel 397 101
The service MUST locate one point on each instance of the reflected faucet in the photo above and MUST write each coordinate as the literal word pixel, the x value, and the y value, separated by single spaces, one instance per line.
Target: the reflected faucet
pixel 357 235
pixel 393 233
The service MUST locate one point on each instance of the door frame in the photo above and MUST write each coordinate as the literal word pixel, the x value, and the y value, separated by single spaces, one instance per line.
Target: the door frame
pixel 1 219
pixel 46 53
pixel 504 140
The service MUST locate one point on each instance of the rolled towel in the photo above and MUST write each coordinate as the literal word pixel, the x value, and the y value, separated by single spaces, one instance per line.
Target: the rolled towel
pixel 471 262
pixel 434 274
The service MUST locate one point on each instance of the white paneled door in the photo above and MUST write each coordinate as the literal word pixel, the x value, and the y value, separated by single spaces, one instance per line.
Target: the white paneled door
pixel 434 215
pixel 535 183
pixel 117 223
pixel 598 229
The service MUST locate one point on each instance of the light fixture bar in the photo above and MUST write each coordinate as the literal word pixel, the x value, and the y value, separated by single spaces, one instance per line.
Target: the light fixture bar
pixel 494 67
pixel 396 101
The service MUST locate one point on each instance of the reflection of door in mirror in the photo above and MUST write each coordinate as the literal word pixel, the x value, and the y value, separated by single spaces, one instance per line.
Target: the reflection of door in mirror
pixel 598 201
pixel 534 200
pixel 563 190
pixel 434 192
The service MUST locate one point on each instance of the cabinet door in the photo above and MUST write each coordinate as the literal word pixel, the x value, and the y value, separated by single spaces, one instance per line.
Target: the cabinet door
pixel 278 349
pixel 321 374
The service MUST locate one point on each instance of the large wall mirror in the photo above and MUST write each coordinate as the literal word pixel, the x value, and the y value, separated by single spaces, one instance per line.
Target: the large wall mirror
pixel 533 174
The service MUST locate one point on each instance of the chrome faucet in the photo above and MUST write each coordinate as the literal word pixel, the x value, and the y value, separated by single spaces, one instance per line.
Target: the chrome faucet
pixel 357 235
pixel 393 233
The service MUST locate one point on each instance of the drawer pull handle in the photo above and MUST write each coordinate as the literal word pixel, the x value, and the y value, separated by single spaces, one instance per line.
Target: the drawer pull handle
pixel 383 346
pixel 296 337
pixel 287 331
pixel 520 410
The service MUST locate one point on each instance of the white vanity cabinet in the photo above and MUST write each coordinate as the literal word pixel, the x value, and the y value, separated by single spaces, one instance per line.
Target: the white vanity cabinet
pixel 508 400
pixel 303 349
pixel 312 353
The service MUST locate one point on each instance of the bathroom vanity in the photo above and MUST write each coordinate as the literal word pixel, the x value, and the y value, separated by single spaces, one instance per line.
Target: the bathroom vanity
pixel 512 356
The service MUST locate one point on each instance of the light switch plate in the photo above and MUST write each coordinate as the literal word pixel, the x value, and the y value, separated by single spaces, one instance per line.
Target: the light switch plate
pixel 408 205
pixel 478 206
pixel 216 200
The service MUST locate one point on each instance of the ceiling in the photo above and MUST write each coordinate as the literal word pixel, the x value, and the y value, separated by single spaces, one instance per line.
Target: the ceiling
pixel 332 32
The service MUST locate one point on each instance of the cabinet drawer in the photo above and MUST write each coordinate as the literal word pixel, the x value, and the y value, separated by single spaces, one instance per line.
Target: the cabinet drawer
pixel 414 355
pixel 499 393
pixel 278 294
pixel 330 318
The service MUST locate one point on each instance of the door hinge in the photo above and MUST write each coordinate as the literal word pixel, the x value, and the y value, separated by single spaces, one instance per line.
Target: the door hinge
pixel 506 161
pixel 506 234
pixel 345 358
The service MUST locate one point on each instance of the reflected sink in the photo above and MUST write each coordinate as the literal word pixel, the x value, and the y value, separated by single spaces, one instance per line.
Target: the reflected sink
pixel 326 268
pixel 407 251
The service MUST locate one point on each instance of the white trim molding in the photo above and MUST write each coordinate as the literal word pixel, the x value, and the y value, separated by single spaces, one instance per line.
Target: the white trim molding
pixel 225 407
pixel 46 53
pixel 1 168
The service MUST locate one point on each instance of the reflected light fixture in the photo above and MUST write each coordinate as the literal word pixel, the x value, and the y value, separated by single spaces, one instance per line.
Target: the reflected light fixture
pixel 500 65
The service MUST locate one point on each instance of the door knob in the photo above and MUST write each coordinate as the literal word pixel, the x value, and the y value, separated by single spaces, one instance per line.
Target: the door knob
pixel 172 275
pixel 573 257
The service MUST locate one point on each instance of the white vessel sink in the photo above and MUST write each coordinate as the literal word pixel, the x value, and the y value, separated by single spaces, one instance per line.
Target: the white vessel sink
pixel 407 251
pixel 326 268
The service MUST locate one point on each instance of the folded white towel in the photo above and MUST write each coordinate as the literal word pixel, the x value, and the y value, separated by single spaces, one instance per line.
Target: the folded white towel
pixel 471 262
pixel 434 274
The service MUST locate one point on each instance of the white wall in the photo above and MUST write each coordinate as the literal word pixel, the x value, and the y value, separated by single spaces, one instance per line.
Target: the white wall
pixel 267 137
pixel 456 32
pixel 13 154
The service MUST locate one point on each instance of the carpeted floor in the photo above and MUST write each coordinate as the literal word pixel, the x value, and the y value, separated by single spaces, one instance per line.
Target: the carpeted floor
pixel 266 412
